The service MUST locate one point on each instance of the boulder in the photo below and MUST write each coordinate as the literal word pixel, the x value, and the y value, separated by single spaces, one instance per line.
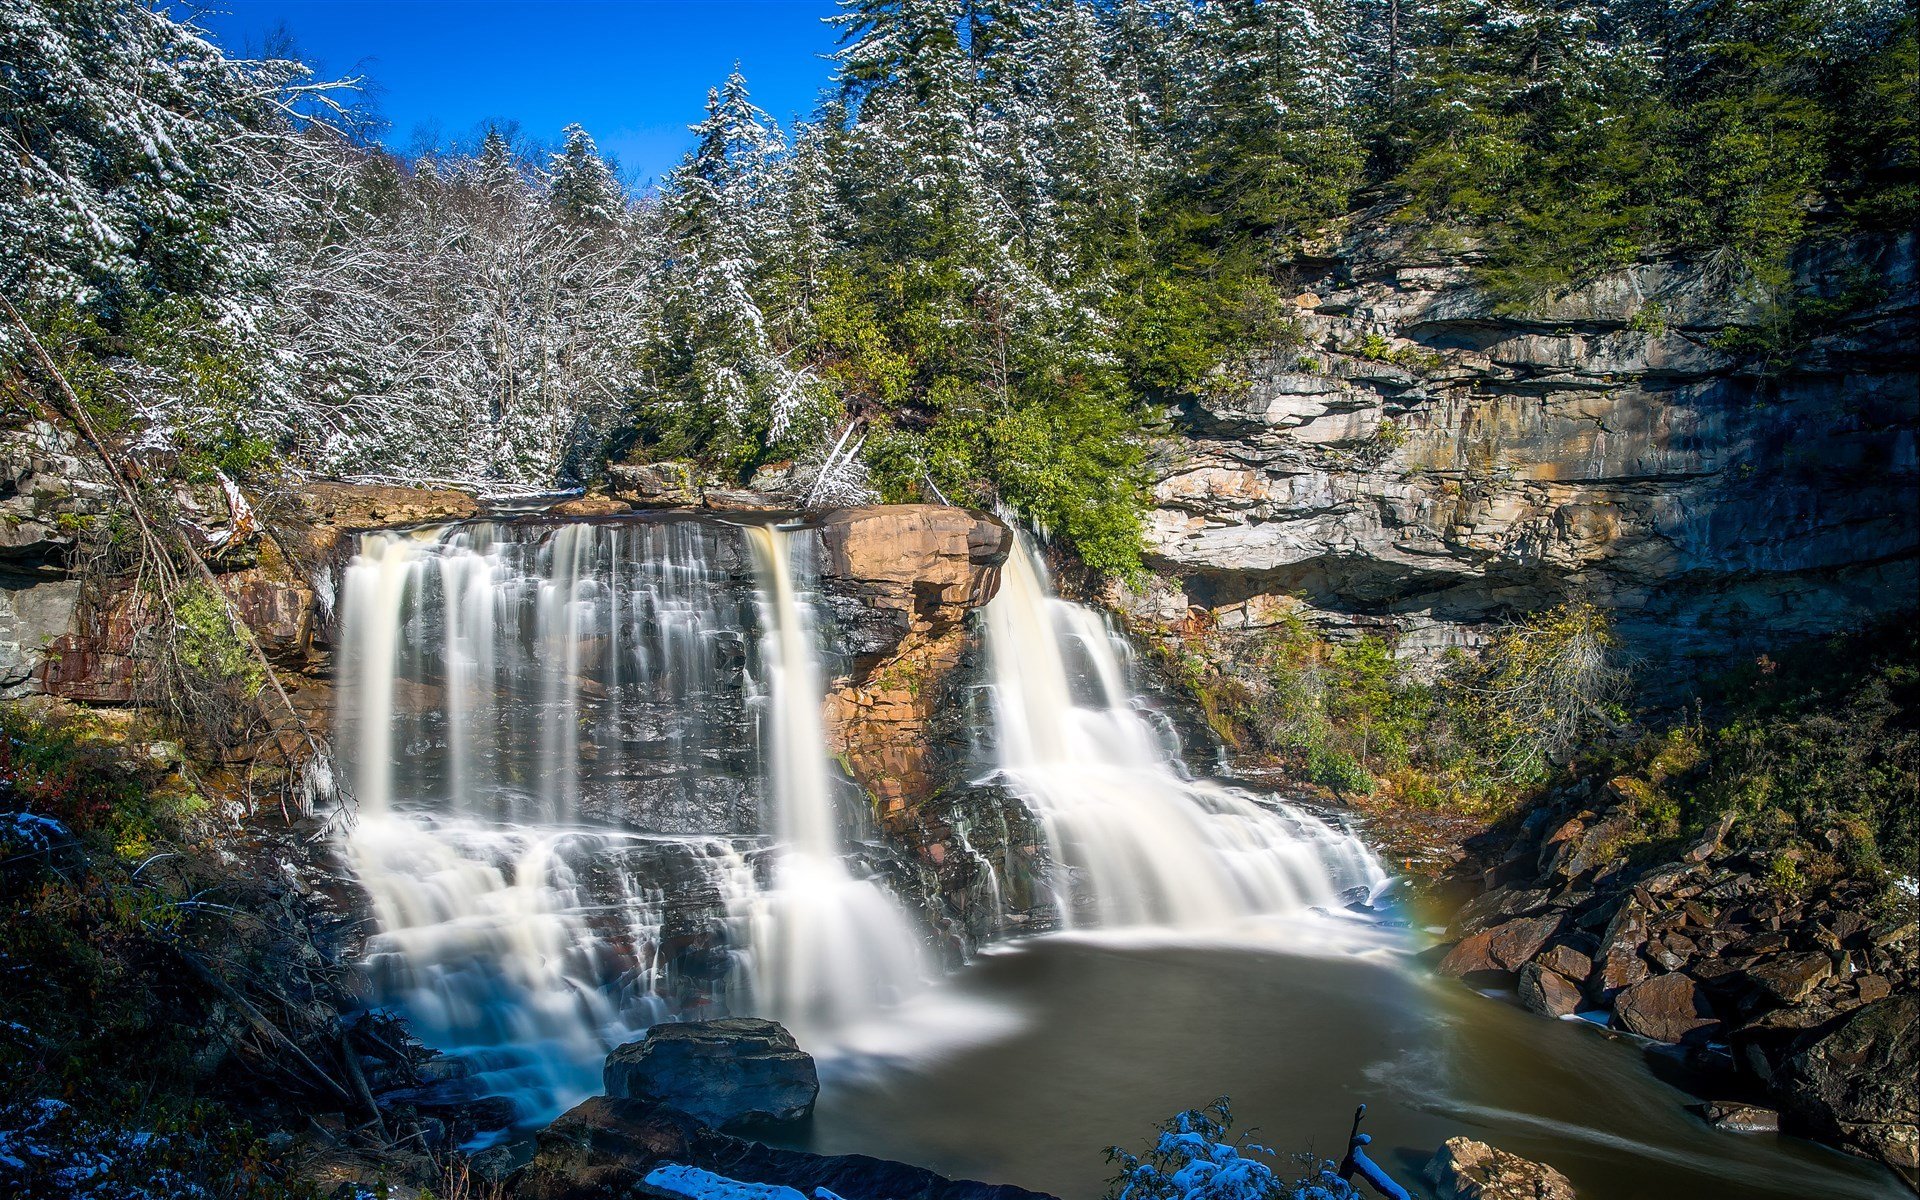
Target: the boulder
pixel 1666 1008
pixel 1546 992
pixel 1856 1083
pixel 1512 944
pixel 1618 964
pixel 607 1147
pixel 1469 956
pixel 590 506
pixel 1738 1118
pixel 1791 978
pixel 734 1071
pixel 1468 1170
pixel 1565 961
pixel 656 485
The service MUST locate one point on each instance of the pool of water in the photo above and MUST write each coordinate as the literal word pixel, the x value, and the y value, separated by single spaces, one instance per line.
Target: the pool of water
pixel 1044 1052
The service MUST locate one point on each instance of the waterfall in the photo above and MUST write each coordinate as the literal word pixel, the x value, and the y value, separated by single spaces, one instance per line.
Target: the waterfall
pixel 1135 840
pixel 568 761
pixel 836 948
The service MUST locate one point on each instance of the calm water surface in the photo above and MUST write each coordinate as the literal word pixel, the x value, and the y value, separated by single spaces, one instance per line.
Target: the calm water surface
pixel 1066 1045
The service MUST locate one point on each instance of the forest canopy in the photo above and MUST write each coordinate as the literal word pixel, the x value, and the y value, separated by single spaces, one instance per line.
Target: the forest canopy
pixel 1011 229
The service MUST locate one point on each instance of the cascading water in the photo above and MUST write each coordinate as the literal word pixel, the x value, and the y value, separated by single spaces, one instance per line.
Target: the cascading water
pixel 551 733
pixel 834 948
pixel 1136 842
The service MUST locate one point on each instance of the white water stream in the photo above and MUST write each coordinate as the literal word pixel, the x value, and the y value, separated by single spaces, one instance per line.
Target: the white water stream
pixel 1138 842
pixel 837 948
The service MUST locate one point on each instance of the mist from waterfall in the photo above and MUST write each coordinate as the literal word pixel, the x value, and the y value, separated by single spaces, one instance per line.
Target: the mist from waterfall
pixel 1136 841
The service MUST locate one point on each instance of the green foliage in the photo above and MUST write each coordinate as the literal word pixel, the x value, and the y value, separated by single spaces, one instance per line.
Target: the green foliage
pixel 99 1015
pixel 67 766
pixel 1541 686
pixel 1708 130
pixel 1788 323
pixel 1820 751
pixel 208 644
pixel 1353 717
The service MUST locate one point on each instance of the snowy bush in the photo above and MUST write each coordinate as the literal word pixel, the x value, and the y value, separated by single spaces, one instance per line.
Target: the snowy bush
pixel 1193 1158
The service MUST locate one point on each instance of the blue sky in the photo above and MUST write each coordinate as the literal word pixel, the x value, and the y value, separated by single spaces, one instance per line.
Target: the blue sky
pixel 635 73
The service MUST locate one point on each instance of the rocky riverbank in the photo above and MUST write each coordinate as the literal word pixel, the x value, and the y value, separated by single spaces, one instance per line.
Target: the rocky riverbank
pixel 1803 1001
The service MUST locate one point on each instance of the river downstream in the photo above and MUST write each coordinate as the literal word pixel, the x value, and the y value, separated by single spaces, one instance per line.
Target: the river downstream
pixel 1106 1037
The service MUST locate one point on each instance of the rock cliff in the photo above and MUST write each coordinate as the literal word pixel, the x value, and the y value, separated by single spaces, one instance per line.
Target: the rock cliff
pixel 1717 470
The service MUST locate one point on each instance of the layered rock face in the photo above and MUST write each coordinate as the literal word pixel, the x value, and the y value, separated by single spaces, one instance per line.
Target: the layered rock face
pixel 900 581
pixel 1428 462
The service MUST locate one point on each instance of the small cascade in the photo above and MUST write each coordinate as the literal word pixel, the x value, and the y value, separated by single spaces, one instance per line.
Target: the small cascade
pixel 1136 841
pixel 835 948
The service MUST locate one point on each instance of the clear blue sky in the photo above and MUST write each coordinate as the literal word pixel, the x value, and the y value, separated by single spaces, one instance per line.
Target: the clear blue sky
pixel 635 74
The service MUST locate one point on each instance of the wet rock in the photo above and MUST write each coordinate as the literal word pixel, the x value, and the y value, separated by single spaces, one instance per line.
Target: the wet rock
pixel 1857 1083
pixel 1666 1008
pixel 1739 1118
pixel 606 1146
pixel 1497 906
pixel 1468 1170
pixel 1547 993
pixel 1470 956
pixel 734 1071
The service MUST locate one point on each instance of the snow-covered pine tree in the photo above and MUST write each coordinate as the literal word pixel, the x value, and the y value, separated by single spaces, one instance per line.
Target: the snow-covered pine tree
pixel 583 188
pixel 724 388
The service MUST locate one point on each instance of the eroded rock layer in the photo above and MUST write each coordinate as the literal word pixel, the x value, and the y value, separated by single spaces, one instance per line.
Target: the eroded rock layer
pixel 1716 469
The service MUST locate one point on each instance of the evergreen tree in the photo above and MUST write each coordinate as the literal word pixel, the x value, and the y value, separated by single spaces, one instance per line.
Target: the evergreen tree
pixel 584 190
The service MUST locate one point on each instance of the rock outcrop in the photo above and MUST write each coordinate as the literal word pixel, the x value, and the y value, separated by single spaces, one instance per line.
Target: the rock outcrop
pixel 1859 1082
pixel 1468 1170
pixel 1426 461
pixel 904 583
pixel 657 485
pixel 730 1072
pixel 901 580
pixel 48 492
